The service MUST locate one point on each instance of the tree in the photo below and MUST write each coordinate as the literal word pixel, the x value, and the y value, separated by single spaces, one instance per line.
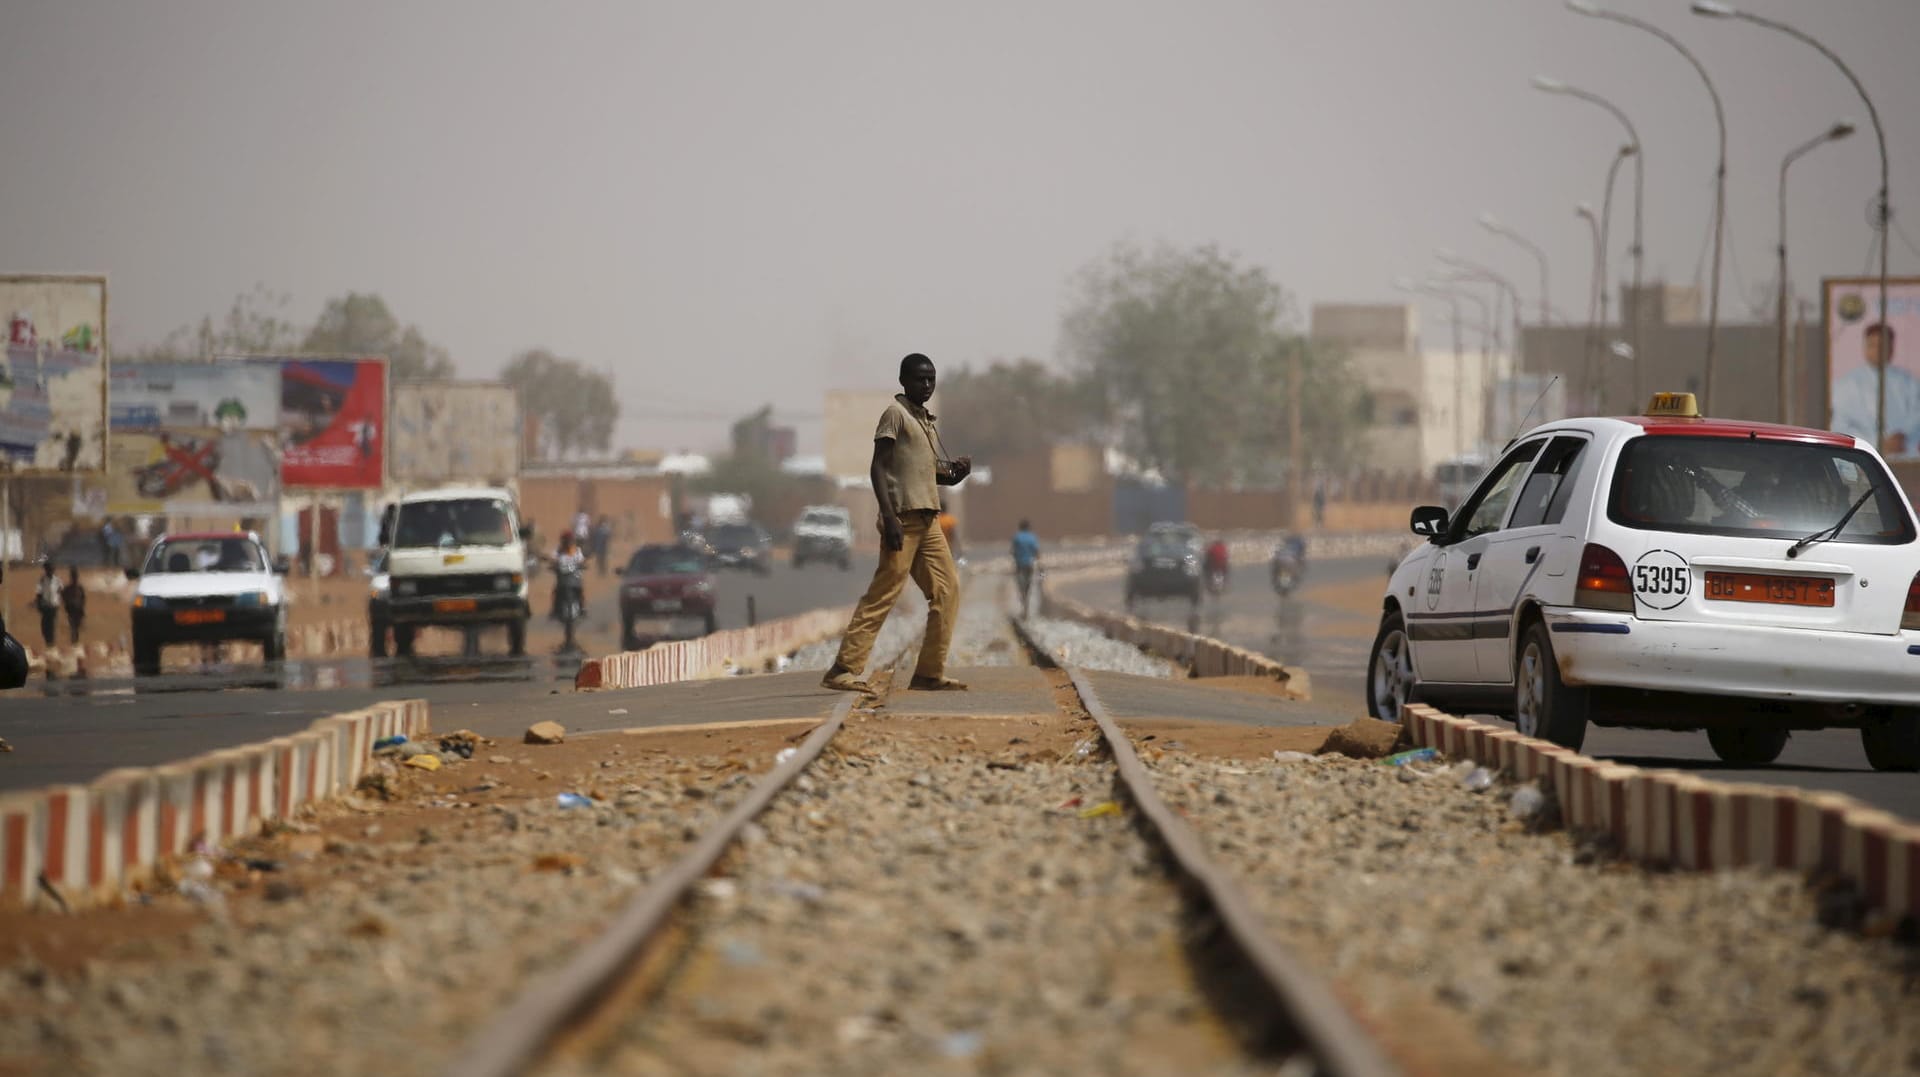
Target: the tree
pixel 1012 408
pixel 255 324
pixel 1190 367
pixel 360 324
pixel 573 404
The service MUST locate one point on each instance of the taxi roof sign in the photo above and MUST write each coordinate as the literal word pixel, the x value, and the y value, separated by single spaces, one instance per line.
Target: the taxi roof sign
pixel 1673 406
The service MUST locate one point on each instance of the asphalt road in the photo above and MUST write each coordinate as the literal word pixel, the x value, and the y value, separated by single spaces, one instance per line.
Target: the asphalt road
pixel 95 726
pixel 1332 643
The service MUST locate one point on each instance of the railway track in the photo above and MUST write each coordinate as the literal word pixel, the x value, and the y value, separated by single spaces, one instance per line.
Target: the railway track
pixel 1094 935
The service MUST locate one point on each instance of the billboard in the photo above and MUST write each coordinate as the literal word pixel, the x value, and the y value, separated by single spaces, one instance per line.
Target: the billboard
pixel 1861 342
pixel 241 394
pixel 452 431
pixel 333 423
pixel 53 388
pixel 225 473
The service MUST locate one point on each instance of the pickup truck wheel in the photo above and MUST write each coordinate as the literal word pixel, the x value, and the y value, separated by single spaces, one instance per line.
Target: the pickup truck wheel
pixel 146 657
pixel 1893 744
pixel 377 639
pixel 713 623
pixel 403 640
pixel 274 647
pixel 517 637
pixel 1746 745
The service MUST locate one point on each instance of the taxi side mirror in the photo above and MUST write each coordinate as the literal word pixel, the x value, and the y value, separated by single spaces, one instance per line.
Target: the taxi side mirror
pixel 132 573
pixel 1428 521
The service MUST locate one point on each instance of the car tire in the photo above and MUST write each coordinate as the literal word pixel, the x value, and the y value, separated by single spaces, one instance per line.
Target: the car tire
pixel 1391 680
pixel 626 634
pixel 713 623
pixel 517 637
pixel 1893 744
pixel 403 641
pixel 377 639
pixel 1747 745
pixel 146 657
pixel 274 648
pixel 1544 706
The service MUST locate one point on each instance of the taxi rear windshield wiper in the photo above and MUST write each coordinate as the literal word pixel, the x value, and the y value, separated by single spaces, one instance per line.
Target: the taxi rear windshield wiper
pixel 1826 533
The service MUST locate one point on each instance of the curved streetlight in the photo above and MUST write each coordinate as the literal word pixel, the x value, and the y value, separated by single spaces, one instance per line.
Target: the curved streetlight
pixel 1883 211
pixel 1474 271
pixel 1585 210
pixel 1492 224
pixel 1583 7
pixel 1838 131
pixel 1453 296
pixel 1550 85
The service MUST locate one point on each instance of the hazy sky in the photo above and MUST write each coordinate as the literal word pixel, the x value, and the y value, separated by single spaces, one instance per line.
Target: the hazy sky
pixel 730 203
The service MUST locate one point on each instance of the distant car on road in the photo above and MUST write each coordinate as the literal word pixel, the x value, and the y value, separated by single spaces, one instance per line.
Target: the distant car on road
pixel 1166 564
pixel 665 583
pixel 1667 571
pixel 823 533
pixel 740 545
pixel 207 588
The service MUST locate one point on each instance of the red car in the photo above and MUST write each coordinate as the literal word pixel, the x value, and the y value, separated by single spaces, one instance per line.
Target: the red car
pixel 669 584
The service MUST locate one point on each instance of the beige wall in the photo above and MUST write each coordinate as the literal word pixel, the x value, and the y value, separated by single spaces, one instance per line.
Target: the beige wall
pixel 851 415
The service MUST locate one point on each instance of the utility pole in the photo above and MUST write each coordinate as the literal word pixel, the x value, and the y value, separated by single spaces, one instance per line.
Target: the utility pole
pixel 1296 473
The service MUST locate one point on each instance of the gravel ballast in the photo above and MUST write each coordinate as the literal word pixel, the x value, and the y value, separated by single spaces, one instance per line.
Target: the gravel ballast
pixel 1430 902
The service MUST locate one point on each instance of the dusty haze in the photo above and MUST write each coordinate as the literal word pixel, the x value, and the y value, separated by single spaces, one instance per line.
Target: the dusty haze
pixel 729 204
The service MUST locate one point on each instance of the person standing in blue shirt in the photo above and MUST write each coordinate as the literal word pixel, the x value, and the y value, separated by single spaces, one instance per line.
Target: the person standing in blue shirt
pixel 1026 556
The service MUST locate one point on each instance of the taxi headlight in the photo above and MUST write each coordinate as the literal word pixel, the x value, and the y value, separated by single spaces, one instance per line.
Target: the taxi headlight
pixel 250 599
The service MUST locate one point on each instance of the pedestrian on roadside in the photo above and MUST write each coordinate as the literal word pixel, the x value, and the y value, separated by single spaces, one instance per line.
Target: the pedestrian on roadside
pixel 907 470
pixel 1320 504
pixel 46 600
pixel 582 528
pixel 1026 557
pixel 73 598
pixel 602 542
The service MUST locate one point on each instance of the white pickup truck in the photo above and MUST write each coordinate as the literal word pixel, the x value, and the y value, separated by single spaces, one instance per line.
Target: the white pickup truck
pixel 450 558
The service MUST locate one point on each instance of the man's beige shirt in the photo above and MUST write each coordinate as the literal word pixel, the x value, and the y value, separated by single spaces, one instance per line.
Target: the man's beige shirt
pixel 910 482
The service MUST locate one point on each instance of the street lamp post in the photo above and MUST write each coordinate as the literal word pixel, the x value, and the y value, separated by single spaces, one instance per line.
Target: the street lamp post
pixel 1466 270
pixel 1548 85
pixel 1583 7
pixel 1453 297
pixel 1883 209
pixel 1835 133
pixel 1593 295
pixel 1492 224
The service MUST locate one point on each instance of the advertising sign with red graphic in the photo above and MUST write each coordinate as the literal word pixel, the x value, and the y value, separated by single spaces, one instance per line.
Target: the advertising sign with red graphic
pixel 333 423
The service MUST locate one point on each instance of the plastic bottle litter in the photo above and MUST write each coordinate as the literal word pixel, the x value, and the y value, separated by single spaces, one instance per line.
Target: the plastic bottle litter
pixel 1417 755
pixel 390 742
pixel 1527 803
pixel 784 754
pixel 573 800
pixel 1478 780
pixel 1291 757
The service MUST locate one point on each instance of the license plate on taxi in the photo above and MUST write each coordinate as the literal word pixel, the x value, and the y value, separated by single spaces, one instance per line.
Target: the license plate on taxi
pixel 199 617
pixel 455 605
pixel 666 605
pixel 1774 590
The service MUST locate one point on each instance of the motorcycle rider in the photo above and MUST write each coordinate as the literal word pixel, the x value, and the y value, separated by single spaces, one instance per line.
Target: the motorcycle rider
pixel 1289 563
pixel 1217 564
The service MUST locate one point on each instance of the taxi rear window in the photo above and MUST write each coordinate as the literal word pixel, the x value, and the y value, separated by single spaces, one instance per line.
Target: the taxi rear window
pixel 1755 488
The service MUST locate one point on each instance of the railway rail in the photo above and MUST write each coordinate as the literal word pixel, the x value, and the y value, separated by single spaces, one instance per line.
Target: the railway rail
pixel 1273 1007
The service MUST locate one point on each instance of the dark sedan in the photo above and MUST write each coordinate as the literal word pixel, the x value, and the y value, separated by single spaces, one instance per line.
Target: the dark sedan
pixel 740 546
pixel 666 587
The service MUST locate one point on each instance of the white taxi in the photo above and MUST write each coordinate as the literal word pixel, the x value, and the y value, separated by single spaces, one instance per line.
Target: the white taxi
pixel 1667 571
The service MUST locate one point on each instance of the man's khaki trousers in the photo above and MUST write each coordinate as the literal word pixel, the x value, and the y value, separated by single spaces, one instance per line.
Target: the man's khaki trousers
pixel 923 556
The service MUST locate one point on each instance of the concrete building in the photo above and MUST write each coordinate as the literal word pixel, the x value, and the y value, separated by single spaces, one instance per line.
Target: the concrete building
pixel 1425 403
pixel 1673 348
pixel 851 415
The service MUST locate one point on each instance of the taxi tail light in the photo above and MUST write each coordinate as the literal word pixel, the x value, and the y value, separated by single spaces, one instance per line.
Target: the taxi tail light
pixel 1604 583
pixel 1910 617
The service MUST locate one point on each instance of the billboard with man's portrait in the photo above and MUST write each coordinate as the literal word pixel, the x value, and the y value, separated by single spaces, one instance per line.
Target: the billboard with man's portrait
pixel 53 388
pixel 1862 343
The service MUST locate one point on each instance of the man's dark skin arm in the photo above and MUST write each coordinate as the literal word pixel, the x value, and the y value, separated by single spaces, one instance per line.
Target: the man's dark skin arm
pixel 890 537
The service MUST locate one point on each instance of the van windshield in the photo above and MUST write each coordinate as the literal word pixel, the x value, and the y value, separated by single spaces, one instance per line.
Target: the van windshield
pixel 1755 488
pixel 474 522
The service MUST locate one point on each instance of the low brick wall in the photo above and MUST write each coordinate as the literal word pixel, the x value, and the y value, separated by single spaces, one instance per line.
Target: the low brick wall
pixel 1672 819
pixel 712 655
pixel 90 842
pixel 1203 656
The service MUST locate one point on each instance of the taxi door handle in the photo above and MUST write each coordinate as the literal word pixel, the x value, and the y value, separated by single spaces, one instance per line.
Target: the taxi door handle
pixel 1533 554
pixel 1473 561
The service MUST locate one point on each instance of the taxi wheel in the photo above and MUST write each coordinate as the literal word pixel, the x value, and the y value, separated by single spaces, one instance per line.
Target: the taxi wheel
pixel 1747 745
pixel 1391 682
pixel 1893 744
pixel 1544 706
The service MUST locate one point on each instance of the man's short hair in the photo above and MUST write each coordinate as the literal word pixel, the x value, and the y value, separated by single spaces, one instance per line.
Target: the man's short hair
pixel 912 361
pixel 1879 329
pixel 1024 526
